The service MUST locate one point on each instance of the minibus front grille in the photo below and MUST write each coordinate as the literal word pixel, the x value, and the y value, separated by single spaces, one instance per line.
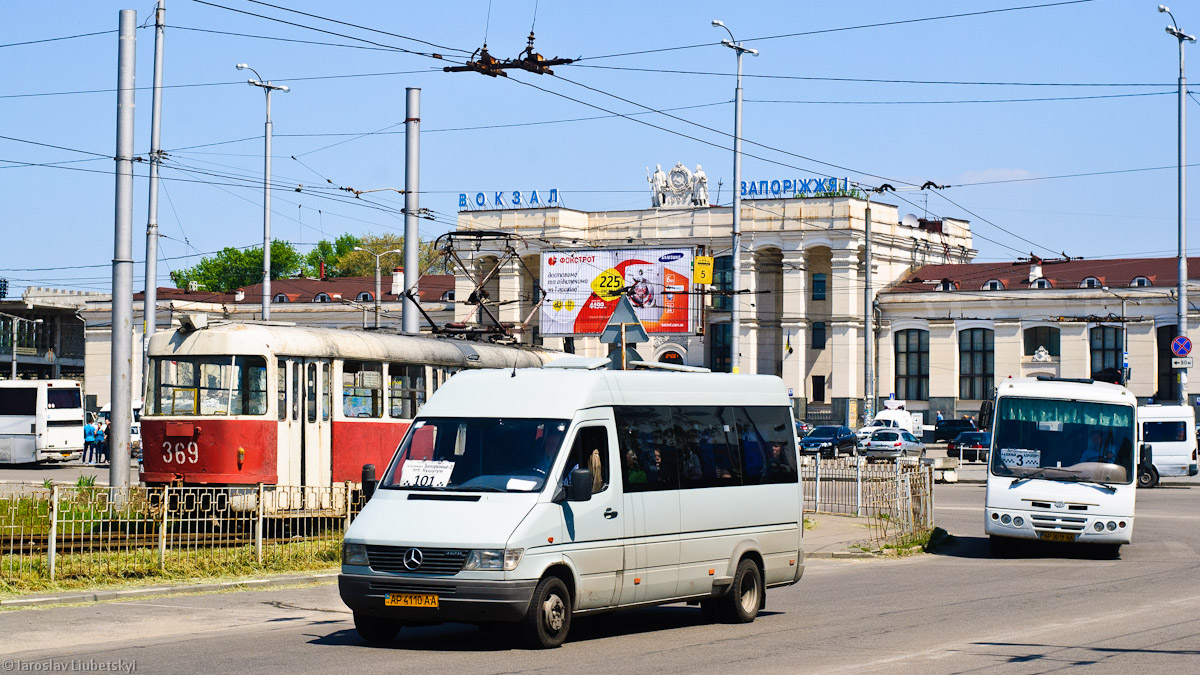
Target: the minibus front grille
pixel 415 560
pixel 1051 522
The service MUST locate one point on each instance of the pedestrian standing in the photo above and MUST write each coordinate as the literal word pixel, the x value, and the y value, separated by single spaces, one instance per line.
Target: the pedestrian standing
pixel 89 441
pixel 102 442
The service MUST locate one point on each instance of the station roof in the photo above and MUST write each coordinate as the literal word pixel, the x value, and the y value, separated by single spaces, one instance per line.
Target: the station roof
pixel 1111 272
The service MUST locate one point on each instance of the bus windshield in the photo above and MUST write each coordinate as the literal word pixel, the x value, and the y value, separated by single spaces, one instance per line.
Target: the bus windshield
pixel 477 454
pixel 1063 440
pixel 208 386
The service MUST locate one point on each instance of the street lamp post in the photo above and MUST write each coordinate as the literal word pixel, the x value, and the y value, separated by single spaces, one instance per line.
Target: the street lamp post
pixel 735 317
pixel 266 284
pixel 378 283
pixel 14 319
pixel 1181 290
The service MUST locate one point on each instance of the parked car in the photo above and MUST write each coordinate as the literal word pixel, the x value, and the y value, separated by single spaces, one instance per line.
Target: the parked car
pixel 829 441
pixel 973 444
pixel 949 429
pixel 864 433
pixel 802 429
pixel 892 443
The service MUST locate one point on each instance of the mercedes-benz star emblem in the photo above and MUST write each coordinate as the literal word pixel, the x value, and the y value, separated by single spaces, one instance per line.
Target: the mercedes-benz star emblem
pixel 413 558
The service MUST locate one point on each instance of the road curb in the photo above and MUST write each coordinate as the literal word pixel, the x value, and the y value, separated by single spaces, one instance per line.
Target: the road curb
pixel 839 555
pixel 121 594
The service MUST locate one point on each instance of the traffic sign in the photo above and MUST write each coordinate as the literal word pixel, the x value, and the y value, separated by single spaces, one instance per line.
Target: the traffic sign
pixel 1182 362
pixel 1181 346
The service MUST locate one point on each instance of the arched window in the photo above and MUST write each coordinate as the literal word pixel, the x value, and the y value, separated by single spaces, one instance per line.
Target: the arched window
pixel 1041 283
pixel 364 297
pixel 993 285
pixel 280 297
pixel 912 364
pixel 1090 282
pixel 448 296
pixel 947 285
pixel 321 297
pixel 976 363
pixel 1140 282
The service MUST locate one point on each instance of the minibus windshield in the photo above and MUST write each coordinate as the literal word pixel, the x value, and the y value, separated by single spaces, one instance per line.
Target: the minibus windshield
pixel 1063 440
pixel 477 454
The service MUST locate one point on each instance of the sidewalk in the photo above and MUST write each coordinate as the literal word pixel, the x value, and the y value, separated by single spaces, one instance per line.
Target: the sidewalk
pixel 835 536
pixel 70 597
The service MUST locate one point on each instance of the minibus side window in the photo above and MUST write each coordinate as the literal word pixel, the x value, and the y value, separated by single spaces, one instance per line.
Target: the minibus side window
pixel 709 449
pixel 774 427
pixel 649 456
pixel 590 451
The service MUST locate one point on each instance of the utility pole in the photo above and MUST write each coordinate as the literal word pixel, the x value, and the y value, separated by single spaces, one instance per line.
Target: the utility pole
pixel 1181 287
pixel 735 314
pixel 378 282
pixel 410 321
pixel 121 386
pixel 868 322
pixel 267 87
pixel 150 296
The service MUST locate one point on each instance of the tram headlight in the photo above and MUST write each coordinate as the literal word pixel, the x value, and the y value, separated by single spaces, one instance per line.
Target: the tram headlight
pixel 1099 526
pixel 354 554
pixel 1006 519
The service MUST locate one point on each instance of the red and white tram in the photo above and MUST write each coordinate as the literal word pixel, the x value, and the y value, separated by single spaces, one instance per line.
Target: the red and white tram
pixel 237 404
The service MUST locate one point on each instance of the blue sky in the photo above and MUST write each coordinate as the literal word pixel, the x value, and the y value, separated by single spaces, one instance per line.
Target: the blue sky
pixel 63 218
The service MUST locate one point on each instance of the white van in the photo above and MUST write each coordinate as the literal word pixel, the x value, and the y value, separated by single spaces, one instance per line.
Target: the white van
pixel 1170 431
pixel 40 421
pixel 530 496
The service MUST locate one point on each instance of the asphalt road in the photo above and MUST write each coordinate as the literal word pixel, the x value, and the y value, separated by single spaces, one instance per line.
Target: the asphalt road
pixel 951 612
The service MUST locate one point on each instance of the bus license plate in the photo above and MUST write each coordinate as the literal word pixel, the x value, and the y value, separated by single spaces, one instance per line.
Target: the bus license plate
pixel 1057 536
pixel 411 600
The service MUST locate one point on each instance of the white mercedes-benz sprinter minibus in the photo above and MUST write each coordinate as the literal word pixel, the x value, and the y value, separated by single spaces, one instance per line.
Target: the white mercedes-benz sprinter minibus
pixel 1170 432
pixel 531 496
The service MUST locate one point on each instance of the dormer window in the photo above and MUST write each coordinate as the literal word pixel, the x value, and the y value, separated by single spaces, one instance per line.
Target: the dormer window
pixel 364 297
pixel 946 285
pixel 993 285
pixel 280 297
pixel 321 297
pixel 1140 282
pixel 1090 282
pixel 1041 283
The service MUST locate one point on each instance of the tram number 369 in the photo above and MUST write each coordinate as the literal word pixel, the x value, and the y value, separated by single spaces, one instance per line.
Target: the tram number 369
pixel 180 452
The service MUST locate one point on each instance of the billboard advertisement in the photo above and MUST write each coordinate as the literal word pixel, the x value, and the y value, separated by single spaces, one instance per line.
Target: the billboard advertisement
pixel 582 289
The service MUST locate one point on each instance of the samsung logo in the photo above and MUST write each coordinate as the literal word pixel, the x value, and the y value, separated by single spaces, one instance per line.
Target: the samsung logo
pixel 670 257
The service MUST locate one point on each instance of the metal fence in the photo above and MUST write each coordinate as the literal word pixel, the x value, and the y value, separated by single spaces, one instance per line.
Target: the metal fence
pixel 74 532
pixel 896 496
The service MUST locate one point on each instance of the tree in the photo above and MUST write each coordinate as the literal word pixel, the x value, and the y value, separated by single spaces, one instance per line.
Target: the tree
pixel 331 254
pixel 360 264
pixel 233 268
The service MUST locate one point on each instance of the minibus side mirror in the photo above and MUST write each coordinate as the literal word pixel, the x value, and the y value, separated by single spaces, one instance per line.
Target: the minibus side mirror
pixel 580 489
pixel 1147 455
pixel 368 481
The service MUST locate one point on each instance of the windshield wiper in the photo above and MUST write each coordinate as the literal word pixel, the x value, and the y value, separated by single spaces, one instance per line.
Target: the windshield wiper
pixel 1041 473
pixel 1110 488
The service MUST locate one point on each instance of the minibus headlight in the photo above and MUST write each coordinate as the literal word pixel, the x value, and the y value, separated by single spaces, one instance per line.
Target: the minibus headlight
pixel 1018 521
pixel 1006 519
pixel 354 554
pixel 493 559
pixel 1111 526
pixel 1099 526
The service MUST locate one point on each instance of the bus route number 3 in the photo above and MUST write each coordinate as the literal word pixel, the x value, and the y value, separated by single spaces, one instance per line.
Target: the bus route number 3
pixel 180 453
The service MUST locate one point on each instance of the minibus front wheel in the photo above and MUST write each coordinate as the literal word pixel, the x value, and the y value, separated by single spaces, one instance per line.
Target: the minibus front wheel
pixel 375 630
pixel 549 616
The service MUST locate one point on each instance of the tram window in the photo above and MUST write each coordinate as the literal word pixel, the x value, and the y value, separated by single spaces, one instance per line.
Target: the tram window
pixel 295 390
pixel 326 392
pixel 406 390
pixel 211 386
pixel 362 389
pixel 311 390
pixel 281 369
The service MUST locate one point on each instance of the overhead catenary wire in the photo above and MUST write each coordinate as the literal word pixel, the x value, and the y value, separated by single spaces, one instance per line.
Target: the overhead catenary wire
pixel 56 39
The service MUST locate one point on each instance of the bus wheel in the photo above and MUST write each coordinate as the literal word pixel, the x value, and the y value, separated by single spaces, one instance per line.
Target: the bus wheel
pixel 741 604
pixel 374 629
pixel 1147 477
pixel 549 616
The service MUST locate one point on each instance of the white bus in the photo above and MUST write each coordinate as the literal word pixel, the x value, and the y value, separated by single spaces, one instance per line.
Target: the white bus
pixel 531 496
pixel 1170 432
pixel 1063 463
pixel 40 421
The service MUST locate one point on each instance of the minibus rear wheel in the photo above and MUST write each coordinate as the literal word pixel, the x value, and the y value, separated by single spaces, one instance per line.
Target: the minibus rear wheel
pixel 549 616
pixel 374 629
pixel 741 603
